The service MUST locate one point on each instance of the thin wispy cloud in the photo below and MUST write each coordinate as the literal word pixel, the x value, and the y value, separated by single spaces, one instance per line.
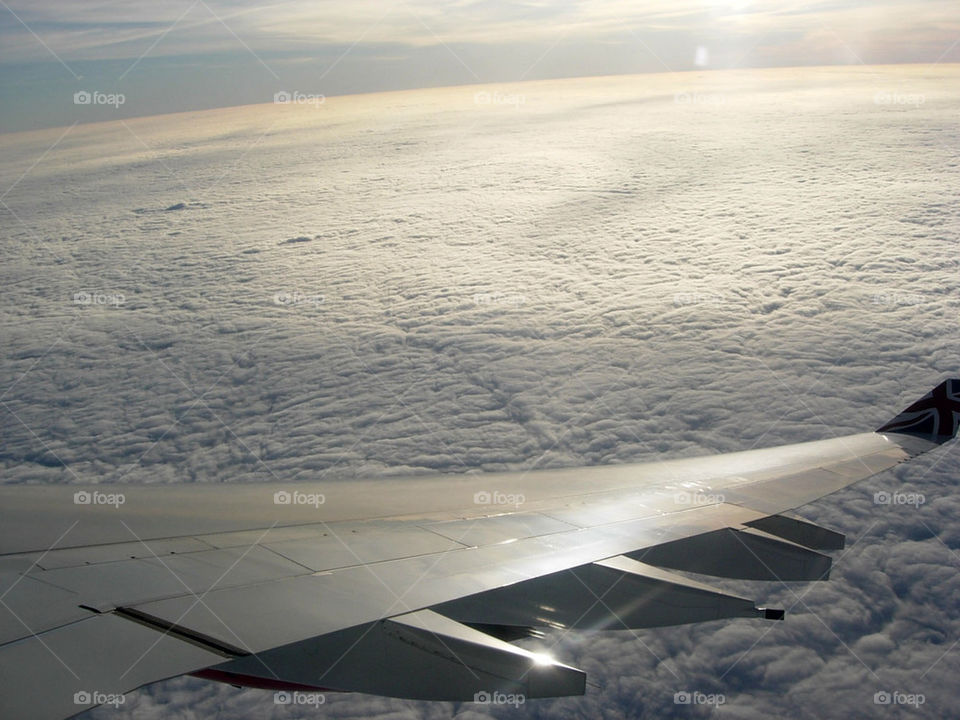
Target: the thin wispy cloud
pixel 125 29
pixel 193 54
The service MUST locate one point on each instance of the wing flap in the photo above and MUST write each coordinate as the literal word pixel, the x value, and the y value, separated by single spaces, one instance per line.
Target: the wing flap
pixel 420 655
pixel 740 553
pixel 613 594
pixel 800 531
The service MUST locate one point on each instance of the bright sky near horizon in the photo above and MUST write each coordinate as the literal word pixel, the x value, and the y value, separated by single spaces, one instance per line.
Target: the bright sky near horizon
pixel 175 55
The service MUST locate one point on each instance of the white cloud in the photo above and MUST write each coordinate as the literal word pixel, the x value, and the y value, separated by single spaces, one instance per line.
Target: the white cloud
pixel 696 276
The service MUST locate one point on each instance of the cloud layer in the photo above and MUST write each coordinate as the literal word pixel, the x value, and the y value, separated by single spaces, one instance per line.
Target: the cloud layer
pixel 518 276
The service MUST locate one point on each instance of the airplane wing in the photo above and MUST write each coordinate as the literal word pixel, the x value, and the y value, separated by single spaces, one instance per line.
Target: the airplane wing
pixel 409 588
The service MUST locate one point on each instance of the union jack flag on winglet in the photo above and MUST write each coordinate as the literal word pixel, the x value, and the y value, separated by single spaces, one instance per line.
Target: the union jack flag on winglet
pixel 934 417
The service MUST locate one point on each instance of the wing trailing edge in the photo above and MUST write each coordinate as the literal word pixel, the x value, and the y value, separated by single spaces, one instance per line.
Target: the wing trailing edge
pixel 419 655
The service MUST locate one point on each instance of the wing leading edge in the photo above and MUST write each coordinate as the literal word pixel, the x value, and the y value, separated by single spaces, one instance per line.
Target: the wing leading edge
pixel 418 602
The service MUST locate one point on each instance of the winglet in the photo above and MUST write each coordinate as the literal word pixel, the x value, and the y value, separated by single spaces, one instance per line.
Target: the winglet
pixel 934 417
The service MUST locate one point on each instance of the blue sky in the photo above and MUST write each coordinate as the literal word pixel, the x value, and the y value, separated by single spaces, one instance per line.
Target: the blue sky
pixel 175 55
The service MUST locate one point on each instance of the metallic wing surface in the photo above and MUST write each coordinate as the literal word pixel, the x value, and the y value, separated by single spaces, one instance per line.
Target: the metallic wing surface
pixel 412 587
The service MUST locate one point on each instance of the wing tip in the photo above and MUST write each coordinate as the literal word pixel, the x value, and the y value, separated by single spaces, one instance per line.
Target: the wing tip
pixel 935 416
